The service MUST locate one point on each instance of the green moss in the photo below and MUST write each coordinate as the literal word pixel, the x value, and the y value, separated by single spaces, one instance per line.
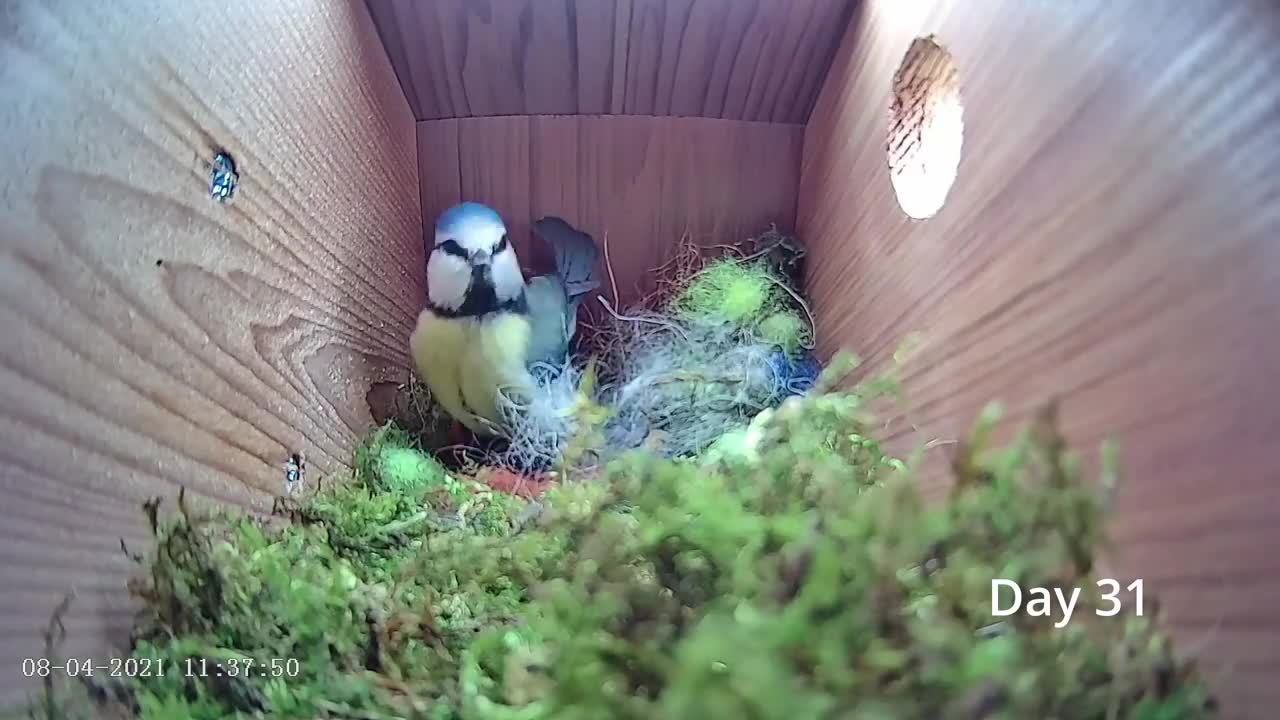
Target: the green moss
pixel 366 596
pixel 814 581
pixel 738 292
pixel 786 330
pixel 409 469
pixel 795 573
pixel 368 455
pixel 389 461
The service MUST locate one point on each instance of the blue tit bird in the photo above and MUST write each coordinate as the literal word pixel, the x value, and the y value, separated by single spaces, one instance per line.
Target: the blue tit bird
pixel 483 327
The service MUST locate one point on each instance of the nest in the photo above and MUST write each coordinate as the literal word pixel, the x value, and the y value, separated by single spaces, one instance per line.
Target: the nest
pixel 682 387
pixel 722 338
pixel 540 428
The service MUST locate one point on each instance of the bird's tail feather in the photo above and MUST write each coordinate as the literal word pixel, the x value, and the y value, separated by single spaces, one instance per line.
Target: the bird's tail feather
pixel 575 254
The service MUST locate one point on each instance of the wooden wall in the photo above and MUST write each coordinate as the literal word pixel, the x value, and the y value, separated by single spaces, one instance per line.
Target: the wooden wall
pixel 644 182
pixel 1113 237
pixel 153 338
pixel 642 119
pixel 758 60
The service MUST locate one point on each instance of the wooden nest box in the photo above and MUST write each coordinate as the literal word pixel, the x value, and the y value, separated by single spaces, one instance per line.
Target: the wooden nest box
pixel 1065 201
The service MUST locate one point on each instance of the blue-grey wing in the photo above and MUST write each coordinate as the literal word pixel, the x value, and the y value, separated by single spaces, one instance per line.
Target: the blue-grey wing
pixel 550 325
pixel 554 298
pixel 575 254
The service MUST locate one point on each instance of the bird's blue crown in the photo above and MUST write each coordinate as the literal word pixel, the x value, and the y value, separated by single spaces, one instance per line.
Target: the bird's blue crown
pixel 467 212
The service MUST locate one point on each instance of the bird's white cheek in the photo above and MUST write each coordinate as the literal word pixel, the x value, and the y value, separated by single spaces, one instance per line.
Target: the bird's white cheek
pixel 447 280
pixel 508 281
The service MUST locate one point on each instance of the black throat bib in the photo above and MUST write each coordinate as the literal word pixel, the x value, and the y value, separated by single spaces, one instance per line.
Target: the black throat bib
pixel 481 299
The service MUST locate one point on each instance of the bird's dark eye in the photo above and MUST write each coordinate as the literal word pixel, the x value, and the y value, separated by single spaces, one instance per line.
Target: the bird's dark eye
pixel 502 245
pixel 452 247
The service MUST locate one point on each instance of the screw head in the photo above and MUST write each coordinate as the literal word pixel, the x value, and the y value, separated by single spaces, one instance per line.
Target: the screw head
pixel 293 470
pixel 223 177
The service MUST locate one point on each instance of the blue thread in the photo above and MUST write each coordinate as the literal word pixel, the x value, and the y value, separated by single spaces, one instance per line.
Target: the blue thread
pixel 793 376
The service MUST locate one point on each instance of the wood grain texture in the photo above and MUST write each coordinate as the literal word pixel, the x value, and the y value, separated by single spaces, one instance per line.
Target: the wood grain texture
pixel 153 338
pixel 643 181
pixel 760 60
pixel 1111 239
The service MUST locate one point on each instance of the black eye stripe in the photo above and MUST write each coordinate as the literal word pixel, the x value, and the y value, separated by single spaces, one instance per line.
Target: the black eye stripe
pixel 453 248
pixel 502 244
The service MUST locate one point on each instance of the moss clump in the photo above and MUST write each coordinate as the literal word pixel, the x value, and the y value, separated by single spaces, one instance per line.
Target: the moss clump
pixel 808 578
pixel 786 330
pixel 390 461
pixel 409 469
pixel 358 602
pixel 797 574
pixel 367 460
pixel 738 292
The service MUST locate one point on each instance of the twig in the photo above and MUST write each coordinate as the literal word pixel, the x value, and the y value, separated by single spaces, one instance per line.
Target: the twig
pixel 608 265
pixel 419 405
pixel 686 260
pixel 729 248
pixel 400 526
pixel 635 318
pixel 56 631
pixel 464 452
pixel 54 634
pixel 754 255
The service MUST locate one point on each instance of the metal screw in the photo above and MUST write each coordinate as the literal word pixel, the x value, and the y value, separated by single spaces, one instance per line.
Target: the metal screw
pixel 293 474
pixel 223 178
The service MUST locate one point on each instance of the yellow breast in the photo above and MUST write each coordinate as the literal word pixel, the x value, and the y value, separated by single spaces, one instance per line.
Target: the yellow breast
pixel 467 362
